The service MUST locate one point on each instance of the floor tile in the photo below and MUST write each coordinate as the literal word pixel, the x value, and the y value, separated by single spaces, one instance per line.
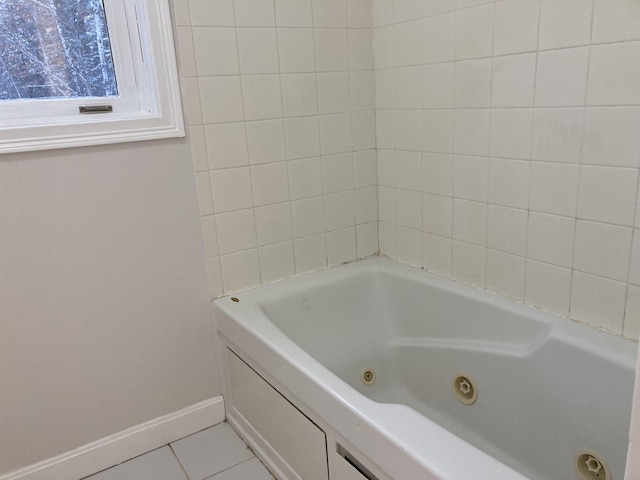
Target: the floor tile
pixel 210 451
pixel 158 464
pixel 249 470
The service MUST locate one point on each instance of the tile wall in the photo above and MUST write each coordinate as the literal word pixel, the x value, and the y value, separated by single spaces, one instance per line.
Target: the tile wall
pixel 279 101
pixel 508 136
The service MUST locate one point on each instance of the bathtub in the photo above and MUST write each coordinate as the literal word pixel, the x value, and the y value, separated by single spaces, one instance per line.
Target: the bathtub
pixel 413 376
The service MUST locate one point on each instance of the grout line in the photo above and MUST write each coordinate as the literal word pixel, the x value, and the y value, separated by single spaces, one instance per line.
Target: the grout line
pixel 179 461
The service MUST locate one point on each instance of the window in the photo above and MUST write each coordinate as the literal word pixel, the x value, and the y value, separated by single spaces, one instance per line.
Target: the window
pixel 85 72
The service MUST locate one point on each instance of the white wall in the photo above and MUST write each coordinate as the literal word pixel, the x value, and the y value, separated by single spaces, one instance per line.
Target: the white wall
pixel 104 312
pixel 508 136
pixel 280 103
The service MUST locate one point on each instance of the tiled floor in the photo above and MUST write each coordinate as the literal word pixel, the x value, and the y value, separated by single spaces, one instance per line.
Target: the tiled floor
pixel 216 453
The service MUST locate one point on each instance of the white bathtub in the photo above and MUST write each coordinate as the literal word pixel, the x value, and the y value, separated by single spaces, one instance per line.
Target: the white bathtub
pixel 548 388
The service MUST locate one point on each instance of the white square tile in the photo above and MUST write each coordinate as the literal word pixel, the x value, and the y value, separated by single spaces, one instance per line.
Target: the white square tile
pixel 332 50
pixel 616 21
pixel 363 129
pixel 602 249
pixel 226 145
pixel 262 98
pixel 190 90
pixel 437 174
pixel 404 10
pixel 294 13
pixel 366 205
pixel 367 239
pixel 386 168
pixel 333 92
pixel 409 246
pixel 438 38
pixel 387 204
pixel 438 85
pixel 335 133
pixel 613 73
pixel 407 126
pixel 307 216
pixel 185 52
pixel 634 264
pixel 432 7
pixel 339 210
pixel 305 178
pixel 382 13
pixel 608 194
pixel 270 183
pixel 296 50
pixel 221 99
pixel 473 83
pixel 557 134
pixel 461 4
pixel 548 287
pixel 210 451
pixel 409 209
pixel 408 170
pixel 437 215
pixel 611 137
pixel 385 130
pixel 231 189
pixel 564 24
pixel 330 13
pixel 299 94
pixel 470 178
pixel 511 132
pixel 598 301
pixel 470 222
pixel 214 274
pixel 337 172
pixel 554 188
pixel 507 229
pixel 365 167
pixel 196 138
pixel 407 88
pixel 273 224
pixel 254 13
pixel 436 254
pixel 210 236
pixel 471 135
pixel 551 238
pixel 236 231
pixel 276 263
pixel 303 137
pixel 360 13
pixel 474 32
pixel 632 313
pixel 212 13
pixel 561 77
pixel 252 469
pixel 158 464
pixel 360 49
pixel 509 183
pixel 438 131
pixel 407 44
pixel 266 141
pixel 180 12
pixel 363 90
pixel 258 50
pixel 240 271
pixel 384 47
pixel 203 189
pixel 341 246
pixel 516 27
pixel 506 274
pixel 310 253
pixel 513 80
pixel 469 263
pixel 384 89
pixel 388 240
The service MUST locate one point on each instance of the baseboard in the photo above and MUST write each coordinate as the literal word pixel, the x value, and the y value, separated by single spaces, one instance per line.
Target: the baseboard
pixel 117 448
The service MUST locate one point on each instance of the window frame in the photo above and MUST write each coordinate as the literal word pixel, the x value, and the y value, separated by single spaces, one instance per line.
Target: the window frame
pixel 148 104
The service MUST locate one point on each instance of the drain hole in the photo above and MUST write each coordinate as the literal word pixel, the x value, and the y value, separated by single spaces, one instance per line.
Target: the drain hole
pixel 591 467
pixel 465 389
pixel 368 377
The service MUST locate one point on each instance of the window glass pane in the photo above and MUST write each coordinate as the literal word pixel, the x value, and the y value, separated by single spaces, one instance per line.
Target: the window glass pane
pixel 55 49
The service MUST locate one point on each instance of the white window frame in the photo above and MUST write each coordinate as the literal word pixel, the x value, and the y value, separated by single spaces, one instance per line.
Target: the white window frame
pixel 148 103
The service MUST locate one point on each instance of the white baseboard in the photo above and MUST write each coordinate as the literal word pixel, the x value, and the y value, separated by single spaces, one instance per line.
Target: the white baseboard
pixel 122 446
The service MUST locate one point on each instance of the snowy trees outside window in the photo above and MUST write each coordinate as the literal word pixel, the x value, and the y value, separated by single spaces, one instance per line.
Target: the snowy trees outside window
pixel 55 49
